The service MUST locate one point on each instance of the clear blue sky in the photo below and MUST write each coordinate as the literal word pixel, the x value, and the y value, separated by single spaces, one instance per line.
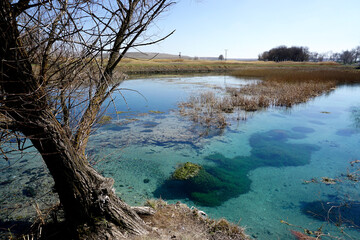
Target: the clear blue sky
pixel 205 28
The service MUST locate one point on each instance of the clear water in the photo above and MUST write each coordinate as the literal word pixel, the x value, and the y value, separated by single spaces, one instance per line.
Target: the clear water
pixel 258 167
pixel 254 171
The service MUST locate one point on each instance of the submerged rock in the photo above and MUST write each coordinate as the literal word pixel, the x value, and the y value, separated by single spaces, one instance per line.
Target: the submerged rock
pixel 186 171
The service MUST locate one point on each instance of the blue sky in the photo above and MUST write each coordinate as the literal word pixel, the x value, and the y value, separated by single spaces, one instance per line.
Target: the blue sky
pixel 205 28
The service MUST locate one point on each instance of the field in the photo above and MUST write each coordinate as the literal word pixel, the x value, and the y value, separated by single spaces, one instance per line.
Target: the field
pixel 131 66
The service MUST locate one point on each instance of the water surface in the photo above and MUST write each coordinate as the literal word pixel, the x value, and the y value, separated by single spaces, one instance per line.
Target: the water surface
pixel 253 171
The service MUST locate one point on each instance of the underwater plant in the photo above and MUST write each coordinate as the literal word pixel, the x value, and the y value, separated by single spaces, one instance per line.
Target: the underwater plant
pixel 226 178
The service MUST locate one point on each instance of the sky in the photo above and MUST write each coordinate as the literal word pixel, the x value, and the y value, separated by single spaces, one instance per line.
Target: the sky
pixel 205 28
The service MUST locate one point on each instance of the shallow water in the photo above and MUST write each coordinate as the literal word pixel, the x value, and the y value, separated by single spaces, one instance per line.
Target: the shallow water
pixel 253 171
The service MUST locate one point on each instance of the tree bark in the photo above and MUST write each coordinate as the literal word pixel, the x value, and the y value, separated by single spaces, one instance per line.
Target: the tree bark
pixel 89 201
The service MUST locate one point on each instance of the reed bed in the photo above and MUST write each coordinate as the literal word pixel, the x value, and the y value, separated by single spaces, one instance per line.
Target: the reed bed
pixel 280 87
pixel 289 86
pixel 205 109
pixel 303 74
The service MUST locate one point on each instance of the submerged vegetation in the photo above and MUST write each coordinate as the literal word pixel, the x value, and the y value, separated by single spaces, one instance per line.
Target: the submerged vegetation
pixel 280 87
pixel 186 171
pixel 227 178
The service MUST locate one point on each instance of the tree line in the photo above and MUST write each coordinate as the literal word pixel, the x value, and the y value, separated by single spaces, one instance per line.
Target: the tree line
pixel 302 54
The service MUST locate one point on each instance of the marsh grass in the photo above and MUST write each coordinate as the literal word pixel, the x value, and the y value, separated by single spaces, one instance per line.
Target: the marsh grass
pixel 291 85
pixel 206 109
pixel 280 87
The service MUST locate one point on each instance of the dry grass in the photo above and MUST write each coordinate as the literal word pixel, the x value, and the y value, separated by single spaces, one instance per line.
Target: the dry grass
pixel 178 221
pixel 289 86
pixel 132 66
pixel 302 74
pixel 206 109
pixel 281 86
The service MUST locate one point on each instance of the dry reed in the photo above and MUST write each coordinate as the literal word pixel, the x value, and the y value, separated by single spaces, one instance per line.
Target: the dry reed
pixel 289 86
pixel 205 109
pixel 281 86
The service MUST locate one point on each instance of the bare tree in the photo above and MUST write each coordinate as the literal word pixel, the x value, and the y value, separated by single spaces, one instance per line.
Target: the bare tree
pixel 348 57
pixel 58 66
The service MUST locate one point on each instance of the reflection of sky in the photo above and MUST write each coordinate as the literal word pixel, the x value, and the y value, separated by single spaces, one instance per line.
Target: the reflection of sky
pixel 163 94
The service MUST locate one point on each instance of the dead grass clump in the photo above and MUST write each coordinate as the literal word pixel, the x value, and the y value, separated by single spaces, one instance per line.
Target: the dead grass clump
pixel 155 203
pixel 178 221
pixel 286 94
pixel 206 109
pixel 282 86
pixel 292 85
pixel 223 226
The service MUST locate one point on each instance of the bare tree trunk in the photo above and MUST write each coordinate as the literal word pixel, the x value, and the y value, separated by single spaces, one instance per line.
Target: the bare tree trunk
pixel 89 201
pixel 88 198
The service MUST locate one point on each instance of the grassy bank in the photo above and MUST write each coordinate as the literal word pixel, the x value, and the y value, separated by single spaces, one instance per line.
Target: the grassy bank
pixel 154 66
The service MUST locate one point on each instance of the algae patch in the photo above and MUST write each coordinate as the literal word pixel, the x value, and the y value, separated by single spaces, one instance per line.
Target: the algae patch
pixel 155 112
pixel 225 178
pixel 186 171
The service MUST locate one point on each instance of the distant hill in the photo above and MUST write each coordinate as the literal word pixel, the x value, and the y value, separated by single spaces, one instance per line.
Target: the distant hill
pixel 151 55
pixel 236 59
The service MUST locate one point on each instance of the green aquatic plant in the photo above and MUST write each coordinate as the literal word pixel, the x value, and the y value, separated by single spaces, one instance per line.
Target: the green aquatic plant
pixel 155 112
pixel 120 112
pixel 105 120
pixel 227 178
pixel 186 171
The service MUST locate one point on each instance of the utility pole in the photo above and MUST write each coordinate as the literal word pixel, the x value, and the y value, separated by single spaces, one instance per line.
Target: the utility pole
pixel 226 54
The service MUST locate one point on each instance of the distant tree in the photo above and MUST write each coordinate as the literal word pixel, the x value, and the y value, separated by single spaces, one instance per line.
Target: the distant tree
pixel 348 57
pixel 357 54
pixel 221 57
pixel 263 56
pixel 283 53
pixel 317 57
pixel 335 57
pixel 321 57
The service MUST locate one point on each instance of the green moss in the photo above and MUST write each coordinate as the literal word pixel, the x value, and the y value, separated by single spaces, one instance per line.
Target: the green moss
pixel 186 171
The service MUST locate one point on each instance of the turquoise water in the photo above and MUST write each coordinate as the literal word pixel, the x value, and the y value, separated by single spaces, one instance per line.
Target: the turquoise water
pixel 253 171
